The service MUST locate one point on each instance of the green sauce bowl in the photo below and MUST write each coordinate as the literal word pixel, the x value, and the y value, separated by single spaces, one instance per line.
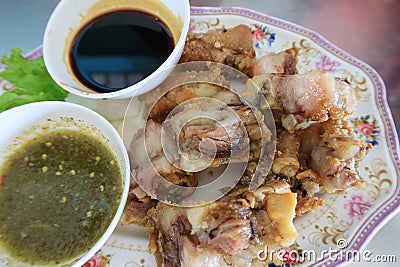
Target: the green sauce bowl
pixel 82 193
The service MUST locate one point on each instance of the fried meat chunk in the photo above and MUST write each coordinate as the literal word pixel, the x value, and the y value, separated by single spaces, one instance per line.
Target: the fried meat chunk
pixel 282 62
pixel 332 152
pixel 303 99
pixel 233 47
pixel 228 232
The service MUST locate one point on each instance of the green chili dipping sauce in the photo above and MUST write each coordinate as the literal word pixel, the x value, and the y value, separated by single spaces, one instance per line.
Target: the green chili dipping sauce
pixel 58 194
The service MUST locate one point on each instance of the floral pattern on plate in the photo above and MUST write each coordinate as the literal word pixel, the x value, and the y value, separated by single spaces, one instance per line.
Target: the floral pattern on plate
pixel 357 206
pixel 98 260
pixel 262 36
pixel 367 129
pixel 326 64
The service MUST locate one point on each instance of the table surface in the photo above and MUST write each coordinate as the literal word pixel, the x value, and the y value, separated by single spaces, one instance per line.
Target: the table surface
pixel 367 29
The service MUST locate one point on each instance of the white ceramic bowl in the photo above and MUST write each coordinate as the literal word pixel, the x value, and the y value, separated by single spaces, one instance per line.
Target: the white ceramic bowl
pixel 30 116
pixel 68 16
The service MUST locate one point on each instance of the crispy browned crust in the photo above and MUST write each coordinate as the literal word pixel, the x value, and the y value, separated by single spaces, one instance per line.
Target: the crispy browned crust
pixel 163 99
pixel 233 47
pixel 128 218
pixel 291 65
pixel 151 229
pixel 154 246
pixel 307 204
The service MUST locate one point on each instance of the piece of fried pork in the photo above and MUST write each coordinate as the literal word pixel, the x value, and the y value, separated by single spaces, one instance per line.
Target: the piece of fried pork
pixel 332 151
pixel 281 62
pixel 323 157
pixel 233 47
pixel 302 99
pixel 228 232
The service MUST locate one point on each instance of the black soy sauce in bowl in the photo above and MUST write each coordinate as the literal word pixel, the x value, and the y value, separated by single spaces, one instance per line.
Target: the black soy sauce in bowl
pixel 119 49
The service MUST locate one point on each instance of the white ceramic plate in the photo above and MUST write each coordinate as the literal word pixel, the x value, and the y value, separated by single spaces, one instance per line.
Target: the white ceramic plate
pixel 348 220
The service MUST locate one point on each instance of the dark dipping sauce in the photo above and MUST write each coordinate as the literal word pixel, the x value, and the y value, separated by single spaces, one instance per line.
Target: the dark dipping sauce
pixel 58 195
pixel 119 49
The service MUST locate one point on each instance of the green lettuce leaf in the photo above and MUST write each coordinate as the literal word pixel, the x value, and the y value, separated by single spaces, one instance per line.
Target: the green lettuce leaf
pixel 32 81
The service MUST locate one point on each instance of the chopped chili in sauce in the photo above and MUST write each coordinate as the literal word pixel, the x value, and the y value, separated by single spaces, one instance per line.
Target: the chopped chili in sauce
pixel 48 212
